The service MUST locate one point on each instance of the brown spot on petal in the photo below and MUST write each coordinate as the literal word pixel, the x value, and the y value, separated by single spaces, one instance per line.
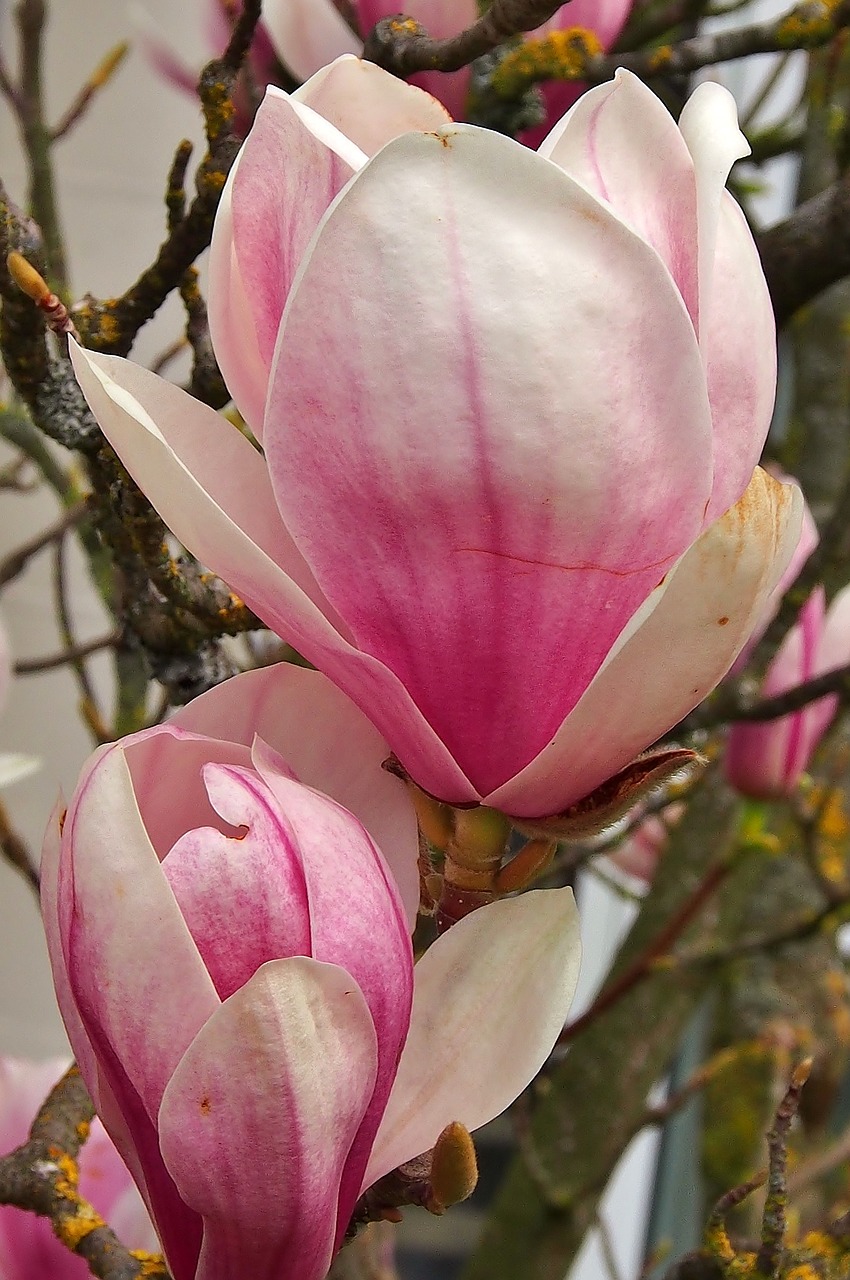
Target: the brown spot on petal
pixel 721 622
pixel 206 1106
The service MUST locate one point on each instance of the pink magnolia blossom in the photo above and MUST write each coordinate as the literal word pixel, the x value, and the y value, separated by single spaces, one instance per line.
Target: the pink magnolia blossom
pixel 232 958
pixel 308 34
pixel 639 853
pixel 511 405
pixel 167 61
pixel 28 1248
pixel 765 759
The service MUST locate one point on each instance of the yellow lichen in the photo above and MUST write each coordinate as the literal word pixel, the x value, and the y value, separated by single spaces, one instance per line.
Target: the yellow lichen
pixel 153 1264
pixel 809 24
pixel 661 57
pixel 77 1226
pixel 560 55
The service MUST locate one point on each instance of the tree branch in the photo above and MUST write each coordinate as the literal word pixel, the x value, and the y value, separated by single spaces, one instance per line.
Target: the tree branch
pixel 42 1176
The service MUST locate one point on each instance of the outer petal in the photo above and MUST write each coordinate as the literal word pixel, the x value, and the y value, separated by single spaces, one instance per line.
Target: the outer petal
pixel 620 142
pixel 739 347
pixel 140 940
pixel 737 330
pixel 809 539
pixel 469 499
pixel 440 18
pixel 257 1121
pixel 368 105
pixel 709 127
pixel 307 34
pixel 369 938
pixel 490 998
pixel 606 20
pixel 230 526
pixel 680 653
pixel 261 231
pixel 327 743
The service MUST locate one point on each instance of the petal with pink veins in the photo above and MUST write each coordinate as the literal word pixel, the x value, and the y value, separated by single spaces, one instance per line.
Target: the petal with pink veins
pixel 715 595
pixel 490 998
pixel 709 128
pixel 262 1164
pixel 358 922
pixel 113 903
pixel 342 753
pixel 455 531
pixel 251 877
pixel 368 105
pixel 261 231
pixel 738 339
pixel 212 489
pixel 621 143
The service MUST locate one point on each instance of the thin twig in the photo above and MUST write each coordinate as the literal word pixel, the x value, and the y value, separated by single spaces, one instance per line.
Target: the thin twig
pixel 18 560
pixel 34 666
pixel 15 851
pixel 643 964
pixel 31 16
pixel 90 708
pixel 774 1219
pixel 101 76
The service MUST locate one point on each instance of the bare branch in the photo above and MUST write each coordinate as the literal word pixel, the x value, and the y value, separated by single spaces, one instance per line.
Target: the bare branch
pixel 809 251
pixel 42 1176
pixel 403 46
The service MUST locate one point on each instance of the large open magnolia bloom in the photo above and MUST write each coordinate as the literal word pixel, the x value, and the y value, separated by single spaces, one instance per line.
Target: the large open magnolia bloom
pixel 511 405
pixel 28 1248
pixel 231 952
pixel 308 34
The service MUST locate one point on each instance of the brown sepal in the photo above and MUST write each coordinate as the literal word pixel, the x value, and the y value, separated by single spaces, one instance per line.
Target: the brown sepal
pixel 613 799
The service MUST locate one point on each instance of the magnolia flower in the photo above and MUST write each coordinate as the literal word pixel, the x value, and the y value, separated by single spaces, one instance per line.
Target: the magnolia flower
pixel 308 34
pixel 219 16
pixel 232 958
pixel 511 404
pixel 639 853
pixel 28 1248
pixel 766 759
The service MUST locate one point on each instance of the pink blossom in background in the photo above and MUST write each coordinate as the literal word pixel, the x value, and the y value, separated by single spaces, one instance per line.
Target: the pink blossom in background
pixel 639 853
pixel 168 62
pixel 309 34
pixel 28 1248
pixel 766 759
pixel 606 19
pixel 263 1049
pixel 511 405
